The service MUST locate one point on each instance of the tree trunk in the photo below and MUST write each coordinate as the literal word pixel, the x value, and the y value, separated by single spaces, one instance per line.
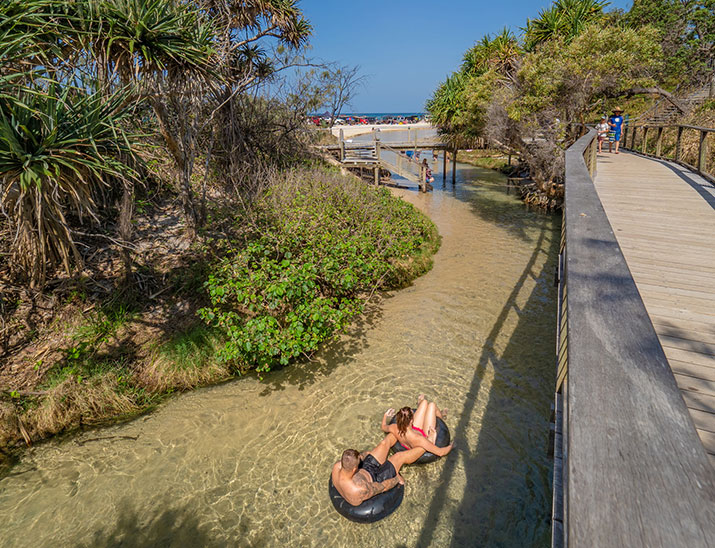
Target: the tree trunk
pixel 182 155
pixel 126 209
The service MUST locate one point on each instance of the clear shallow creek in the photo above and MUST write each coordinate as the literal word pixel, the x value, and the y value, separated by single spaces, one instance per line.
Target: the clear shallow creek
pixel 246 463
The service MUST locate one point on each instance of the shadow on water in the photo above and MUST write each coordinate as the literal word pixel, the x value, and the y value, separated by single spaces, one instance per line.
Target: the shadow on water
pixel 512 422
pixel 485 191
pixel 173 527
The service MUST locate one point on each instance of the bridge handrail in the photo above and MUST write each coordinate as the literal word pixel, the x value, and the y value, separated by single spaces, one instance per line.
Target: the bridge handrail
pixel 634 472
pixel 631 130
pixel 384 145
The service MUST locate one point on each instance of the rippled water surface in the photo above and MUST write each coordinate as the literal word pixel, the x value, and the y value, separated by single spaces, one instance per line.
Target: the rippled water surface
pixel 246 463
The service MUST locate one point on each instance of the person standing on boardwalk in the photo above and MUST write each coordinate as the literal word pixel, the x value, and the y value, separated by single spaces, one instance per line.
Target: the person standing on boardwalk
pixel 615 122
pixel 602 129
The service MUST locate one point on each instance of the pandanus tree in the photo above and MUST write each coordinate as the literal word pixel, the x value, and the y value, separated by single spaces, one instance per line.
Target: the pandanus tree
pixel 59 140
pixel 141 44
pixel 499 53
pixel 57 147
pixel 565 19
pixel 189 59
pixel 247 29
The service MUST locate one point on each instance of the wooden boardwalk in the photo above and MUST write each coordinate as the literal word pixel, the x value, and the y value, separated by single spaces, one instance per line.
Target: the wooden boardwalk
pixel 663 217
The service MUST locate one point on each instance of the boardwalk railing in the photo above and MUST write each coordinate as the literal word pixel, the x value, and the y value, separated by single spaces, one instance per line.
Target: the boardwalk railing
pixel 669 142
pixel 629 468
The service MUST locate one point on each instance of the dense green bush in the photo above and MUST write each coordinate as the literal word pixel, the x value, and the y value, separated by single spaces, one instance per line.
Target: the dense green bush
pixel 319 246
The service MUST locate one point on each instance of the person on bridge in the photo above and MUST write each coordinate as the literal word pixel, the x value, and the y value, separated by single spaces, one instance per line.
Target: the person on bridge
pixel 360 476
pixel 418 429
pixel 427 172
pixel 615 122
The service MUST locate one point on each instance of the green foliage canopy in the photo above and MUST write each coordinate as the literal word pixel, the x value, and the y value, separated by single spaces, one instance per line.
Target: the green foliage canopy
pixel 317 252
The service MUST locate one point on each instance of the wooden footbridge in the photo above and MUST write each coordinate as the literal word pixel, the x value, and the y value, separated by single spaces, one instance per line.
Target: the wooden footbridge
pixel 635 399
pixel 376 155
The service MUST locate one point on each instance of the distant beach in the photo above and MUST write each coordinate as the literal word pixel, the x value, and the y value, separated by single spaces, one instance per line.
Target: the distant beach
pixel 352 131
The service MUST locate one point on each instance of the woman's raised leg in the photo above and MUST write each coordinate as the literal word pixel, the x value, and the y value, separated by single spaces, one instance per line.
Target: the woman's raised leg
pixel 419 417
pixel 429 422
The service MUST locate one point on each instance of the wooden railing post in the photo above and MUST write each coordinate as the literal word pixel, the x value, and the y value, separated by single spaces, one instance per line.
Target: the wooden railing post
pixel 644 144
pixel 633 138
pixel 377 157
pixel 624 135
pixel 659 142
pixel 342 145
pixel 679 144
pixel 703 152
pixel 594 158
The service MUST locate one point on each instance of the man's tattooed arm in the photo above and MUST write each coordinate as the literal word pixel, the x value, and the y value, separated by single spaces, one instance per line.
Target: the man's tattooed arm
pixel 369 489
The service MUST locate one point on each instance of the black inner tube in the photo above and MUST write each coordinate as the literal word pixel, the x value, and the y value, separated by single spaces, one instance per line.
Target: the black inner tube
pixel 373 509
pixel 442 440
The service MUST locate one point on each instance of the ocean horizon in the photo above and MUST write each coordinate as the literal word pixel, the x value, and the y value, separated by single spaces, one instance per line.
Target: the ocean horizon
pixel 376 114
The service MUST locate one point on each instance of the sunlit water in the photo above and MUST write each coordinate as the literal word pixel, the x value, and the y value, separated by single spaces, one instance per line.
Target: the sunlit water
pixel 246 463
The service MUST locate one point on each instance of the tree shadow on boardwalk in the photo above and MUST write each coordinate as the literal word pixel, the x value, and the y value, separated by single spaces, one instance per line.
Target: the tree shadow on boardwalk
pixel 701 186
pixel 506 501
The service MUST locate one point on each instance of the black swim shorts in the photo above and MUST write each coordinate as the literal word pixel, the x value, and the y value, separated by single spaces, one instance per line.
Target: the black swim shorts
pixel 378 472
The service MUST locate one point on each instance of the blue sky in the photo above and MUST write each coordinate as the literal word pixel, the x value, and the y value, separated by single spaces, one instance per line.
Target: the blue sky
pixel 407 48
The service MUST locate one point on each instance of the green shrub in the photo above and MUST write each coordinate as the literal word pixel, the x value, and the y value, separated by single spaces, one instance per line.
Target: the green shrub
pixel 321 244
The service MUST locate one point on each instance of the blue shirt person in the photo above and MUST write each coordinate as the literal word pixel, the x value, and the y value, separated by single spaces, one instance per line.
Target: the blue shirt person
pixel 615 122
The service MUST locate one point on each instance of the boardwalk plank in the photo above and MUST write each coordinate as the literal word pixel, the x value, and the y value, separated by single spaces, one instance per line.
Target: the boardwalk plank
pixel 703 421
pixel 692 345
pixel 696 400
pixel 708 440
pixel 689 382
pixel 687 356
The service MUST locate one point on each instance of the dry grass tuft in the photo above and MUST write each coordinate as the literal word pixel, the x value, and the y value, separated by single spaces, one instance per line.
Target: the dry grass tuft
pixel 71 404
pixel 9 426
pixel 164 374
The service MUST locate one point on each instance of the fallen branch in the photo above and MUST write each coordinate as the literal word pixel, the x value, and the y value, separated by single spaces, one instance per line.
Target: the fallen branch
pixel 655 90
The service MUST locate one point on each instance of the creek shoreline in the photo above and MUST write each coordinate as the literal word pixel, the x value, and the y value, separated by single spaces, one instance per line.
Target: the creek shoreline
pixel 17 434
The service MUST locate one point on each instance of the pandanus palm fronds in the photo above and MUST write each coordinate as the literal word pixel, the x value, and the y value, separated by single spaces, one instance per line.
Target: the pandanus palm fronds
pixel 57 146
pixel 447 102
pixel 565 19
pixel 29 36
pixel 130 39
pixel 500 52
